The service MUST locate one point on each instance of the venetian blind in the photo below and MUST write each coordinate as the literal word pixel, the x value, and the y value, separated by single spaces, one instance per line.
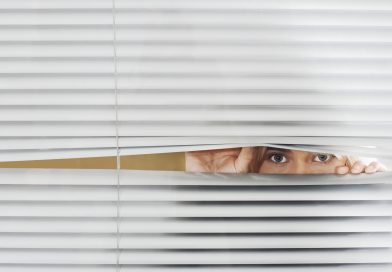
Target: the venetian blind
pixel 192 73
pixel 66 220
pixel 84 78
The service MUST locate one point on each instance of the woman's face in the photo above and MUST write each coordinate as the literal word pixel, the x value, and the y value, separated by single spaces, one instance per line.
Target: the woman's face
pixel 284 161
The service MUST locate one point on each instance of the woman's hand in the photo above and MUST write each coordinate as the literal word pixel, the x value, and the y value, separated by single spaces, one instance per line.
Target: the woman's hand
pixel 232 160
pixel 356 166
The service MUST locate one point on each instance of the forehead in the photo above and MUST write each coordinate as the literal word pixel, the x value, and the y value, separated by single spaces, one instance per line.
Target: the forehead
pixel 294 153
pixel 280 150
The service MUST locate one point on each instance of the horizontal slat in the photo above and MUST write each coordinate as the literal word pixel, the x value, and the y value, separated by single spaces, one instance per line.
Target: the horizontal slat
pixel 224 51
pixel 58 241
pixel 233 194
pixel 345 141
pixel 53 97
pixel 256 241
pixel 54 143
pixel 61 65
pixel 170 209
pixel 56 81
pixel 143 179
pixel 58 268
pixel 130 268
pixel 60 49
pixel 287 225
pixel 181 113
pixel 189 193
pixel 212 17
pixel 220 113
pixel 235 5
pixel 56 16
pixel 257 226
pixel 196 97
pixel 106 129
pixel 240 17
pixel 57 225
pixel 226 68
pixel 252 4
pixel 250 210
pixel 55 4
pixel 31 155
pixel 52 113
pixel 56 33
pixel 207 268
pixel 197 67
pixel 270 33
pixel 25 256
pixel 378 5
pixel 218 241
pixel 232 257
pixel 125 33
pixel 329 129
pixel 42 193
pixel 108 257
pixel 59 209
pixel 35 177
pixel 251 51
pixel 298 82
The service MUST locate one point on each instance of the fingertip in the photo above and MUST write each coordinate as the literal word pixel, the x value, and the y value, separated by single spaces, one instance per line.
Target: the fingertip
pixel 244 159
pixel 371 168
pixel 342 170
pixel 357 168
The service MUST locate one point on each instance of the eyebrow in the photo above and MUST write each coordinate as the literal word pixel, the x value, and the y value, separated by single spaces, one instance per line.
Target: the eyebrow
pixel 278 149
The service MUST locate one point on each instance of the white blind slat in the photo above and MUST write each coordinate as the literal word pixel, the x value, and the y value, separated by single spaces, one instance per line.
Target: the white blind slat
pixel 49 227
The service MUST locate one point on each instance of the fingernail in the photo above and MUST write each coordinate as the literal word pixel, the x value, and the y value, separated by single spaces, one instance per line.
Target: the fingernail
pixel 370 168
pixel 356 169
pixel 342 171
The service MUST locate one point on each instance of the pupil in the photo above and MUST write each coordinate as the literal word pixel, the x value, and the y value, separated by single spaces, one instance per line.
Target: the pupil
pixel 322 157
pixel 278 158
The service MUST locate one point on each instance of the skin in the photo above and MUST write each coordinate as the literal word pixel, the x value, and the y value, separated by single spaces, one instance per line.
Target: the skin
pixel 284 161
pixel 230 160
pixel 275 161
pixel 299 162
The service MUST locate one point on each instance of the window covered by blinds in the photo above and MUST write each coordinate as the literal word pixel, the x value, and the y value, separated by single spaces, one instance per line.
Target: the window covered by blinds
pixel 190 73
pixel 65 220
pixel 115 77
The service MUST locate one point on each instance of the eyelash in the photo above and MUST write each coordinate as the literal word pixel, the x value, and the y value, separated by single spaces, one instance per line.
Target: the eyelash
pixel 329 159
pixel 274 154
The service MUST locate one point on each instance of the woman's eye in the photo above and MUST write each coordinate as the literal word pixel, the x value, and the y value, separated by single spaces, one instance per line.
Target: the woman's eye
pixel 278 158
pixel 322 157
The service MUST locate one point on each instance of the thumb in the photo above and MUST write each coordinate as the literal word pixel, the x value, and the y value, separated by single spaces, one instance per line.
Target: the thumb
pixel 244 159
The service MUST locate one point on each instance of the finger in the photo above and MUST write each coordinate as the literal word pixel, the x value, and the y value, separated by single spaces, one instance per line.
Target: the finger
pixel 195 162
pixel 358 167
pixel 244 159
pixel 372 167
pixel 382 168
pixel 342 170
pixel 375 166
